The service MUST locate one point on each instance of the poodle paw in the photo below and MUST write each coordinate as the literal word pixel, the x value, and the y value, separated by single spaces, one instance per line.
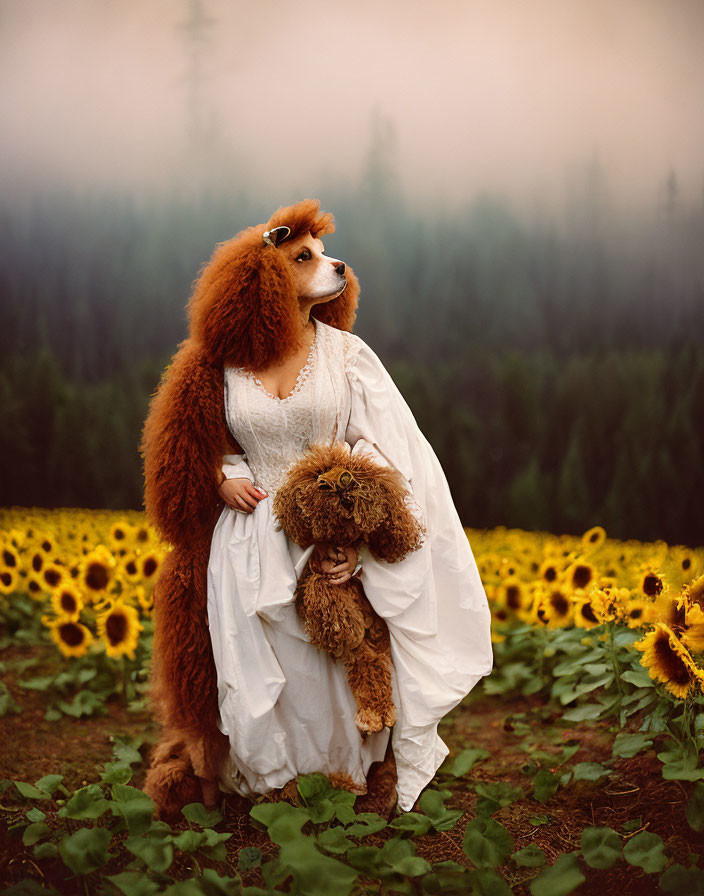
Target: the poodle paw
pixel 211 793
pixel 390 716
pixel 368 721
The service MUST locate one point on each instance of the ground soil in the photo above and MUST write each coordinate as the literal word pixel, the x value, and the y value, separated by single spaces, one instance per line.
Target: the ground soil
pixel 511 729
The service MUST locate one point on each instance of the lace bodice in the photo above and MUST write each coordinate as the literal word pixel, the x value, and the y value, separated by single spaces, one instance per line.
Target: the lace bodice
pixel 273 431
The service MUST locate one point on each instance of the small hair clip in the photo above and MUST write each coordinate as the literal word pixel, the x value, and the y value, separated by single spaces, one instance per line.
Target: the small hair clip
pixel 276 235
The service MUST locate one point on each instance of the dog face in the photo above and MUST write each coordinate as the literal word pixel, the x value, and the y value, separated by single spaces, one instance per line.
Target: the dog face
pixel 315 275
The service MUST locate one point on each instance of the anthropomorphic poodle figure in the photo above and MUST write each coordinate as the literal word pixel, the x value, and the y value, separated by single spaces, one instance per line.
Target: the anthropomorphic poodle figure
pixel 245 701
pixel 333 496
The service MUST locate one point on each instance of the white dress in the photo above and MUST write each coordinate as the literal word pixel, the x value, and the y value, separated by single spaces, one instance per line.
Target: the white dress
pixel 286 706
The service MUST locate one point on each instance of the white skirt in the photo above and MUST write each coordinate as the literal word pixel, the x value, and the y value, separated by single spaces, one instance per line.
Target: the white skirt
pixel 287 707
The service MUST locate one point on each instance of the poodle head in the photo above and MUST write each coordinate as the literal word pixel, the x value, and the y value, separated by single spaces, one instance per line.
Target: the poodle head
pixel 333 496
pixel 244 309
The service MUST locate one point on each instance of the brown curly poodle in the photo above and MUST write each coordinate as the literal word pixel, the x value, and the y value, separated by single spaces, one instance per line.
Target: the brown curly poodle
pixel 334 496
pixel 243 311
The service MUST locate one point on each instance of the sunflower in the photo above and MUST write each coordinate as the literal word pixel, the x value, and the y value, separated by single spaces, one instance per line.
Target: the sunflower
pixel 695 591
pixel 593 538
pixel 144 599
pixel 35 587
pixel 119 628
pixel 580 574
pixel 587 609
pixel 142 534
pixel 9 580
pixel 554 607
pixel 549 570
pixel 669 661
pixel 671 610
pixel 53 576
pixel 97 570
pixel 129 566
pixel 37 559
pixel 513 595
pixel 67 601
pixel 149 565
pixel 635 612
pixel 121 534
pixel 651 584
pixel 691 627
pixel 684 559
pixel 9 557
pixel 71 637
pixel 46 543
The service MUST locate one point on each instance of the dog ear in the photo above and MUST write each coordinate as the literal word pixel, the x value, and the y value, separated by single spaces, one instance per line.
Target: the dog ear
pixel 401 532
pixel 244 307
pixel 288 508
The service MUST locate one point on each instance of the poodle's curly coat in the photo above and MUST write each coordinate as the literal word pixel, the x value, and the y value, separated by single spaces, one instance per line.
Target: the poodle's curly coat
pixel 332 496
pixel 243 311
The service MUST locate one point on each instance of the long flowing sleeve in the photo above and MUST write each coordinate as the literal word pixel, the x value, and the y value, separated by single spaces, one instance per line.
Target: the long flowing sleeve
pixel 433 601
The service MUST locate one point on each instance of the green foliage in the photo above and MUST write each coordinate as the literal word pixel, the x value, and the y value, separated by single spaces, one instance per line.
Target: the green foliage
pixel 487 843
pixel 695 808
pixel 559 879
pixel 459 765
pixel 628 745
pixel 679 880
pixel 530 856
pixel 646 851
pixel 601 847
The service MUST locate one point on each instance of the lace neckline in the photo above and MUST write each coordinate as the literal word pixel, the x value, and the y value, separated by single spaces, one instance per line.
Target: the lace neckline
pixel 302 373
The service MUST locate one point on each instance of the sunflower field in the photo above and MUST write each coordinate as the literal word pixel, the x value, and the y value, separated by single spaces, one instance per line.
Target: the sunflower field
pixel 575 767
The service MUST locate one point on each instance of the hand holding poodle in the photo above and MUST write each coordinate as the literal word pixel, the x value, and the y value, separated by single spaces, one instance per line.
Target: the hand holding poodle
pixel 340 563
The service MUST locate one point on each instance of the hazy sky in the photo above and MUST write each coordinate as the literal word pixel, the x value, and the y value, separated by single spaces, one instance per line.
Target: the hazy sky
pixel 507 95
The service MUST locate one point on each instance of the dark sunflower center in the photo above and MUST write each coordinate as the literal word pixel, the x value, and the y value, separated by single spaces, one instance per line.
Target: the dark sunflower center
pixel 582 576
pixel 670 662
pixel 588 612
pixel 559 602
pixel 513 597
pixel 68 602
pixel 71 634
pixel 96 576
pixel 8 558
pixel 52 577
pixel 116 628
pixel 652 585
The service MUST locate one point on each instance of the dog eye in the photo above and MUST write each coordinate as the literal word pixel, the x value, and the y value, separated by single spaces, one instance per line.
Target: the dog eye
pixel 303 256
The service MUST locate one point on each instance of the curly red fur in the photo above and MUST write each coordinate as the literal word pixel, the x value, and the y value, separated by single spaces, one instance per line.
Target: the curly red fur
pixel 371 508
pixel 331 496
pixel 243 311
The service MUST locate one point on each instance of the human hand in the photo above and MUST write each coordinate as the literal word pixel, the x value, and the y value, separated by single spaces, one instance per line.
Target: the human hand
pixel 241 494
pixel 339 563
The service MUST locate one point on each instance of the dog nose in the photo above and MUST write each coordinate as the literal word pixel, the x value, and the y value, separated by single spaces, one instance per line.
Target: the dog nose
pixel 340 267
